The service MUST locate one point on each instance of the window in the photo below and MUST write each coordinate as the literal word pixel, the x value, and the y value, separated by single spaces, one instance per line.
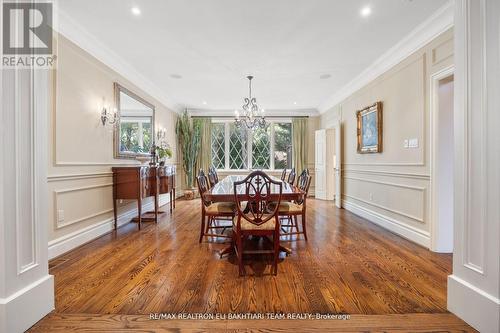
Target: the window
pixel 238 142
pixel 263 148
pixel 218 146
pixel 283 146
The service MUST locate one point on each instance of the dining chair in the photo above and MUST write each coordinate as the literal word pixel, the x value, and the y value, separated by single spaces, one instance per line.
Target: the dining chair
pixel 291 177
pixel 214 171
pixel 283 175
pixel 213 211
pixel 212 177
pixel 257 215
pixel 291 210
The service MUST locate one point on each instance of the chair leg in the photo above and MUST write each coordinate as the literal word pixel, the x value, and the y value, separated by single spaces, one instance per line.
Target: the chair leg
pixel 304 225
pixel 202 231
pixel 276 240
pixel 239 245
pixel 209 224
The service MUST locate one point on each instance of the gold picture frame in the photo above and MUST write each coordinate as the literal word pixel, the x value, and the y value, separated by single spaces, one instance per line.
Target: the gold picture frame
pixel 369 126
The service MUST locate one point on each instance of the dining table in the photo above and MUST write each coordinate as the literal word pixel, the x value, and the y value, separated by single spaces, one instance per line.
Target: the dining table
pixel 223 191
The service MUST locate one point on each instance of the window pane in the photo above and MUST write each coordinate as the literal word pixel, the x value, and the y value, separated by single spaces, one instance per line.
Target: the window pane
pixel 218 146
pixel 261 148
pixel 283 146
pixel 129 137
pixel 237 148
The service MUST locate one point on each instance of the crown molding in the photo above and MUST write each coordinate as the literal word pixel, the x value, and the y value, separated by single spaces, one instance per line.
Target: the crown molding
pixel 269 113
pixel 76 33
pixel 425 32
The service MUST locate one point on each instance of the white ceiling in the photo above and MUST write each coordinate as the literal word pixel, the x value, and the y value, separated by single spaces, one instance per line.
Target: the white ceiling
pixel 213 44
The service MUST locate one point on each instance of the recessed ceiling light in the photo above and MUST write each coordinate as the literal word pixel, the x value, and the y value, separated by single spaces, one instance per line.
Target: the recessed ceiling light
pixel 176 76
pixel 325 76
pixel 136 11
pixel 294 103
pixel 204 103
pixel 366 11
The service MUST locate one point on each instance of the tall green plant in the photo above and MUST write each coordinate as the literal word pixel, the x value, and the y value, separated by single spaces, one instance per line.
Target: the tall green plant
pixel 189 135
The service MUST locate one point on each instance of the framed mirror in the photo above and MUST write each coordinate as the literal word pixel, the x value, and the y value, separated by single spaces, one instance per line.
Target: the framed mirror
pixel 134 133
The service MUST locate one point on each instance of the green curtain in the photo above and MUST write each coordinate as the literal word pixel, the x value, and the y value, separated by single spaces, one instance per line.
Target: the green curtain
pixel 204 160
pixel 299 147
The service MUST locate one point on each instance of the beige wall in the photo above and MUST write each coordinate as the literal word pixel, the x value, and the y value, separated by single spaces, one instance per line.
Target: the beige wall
pixel 392 188
pixel 81 149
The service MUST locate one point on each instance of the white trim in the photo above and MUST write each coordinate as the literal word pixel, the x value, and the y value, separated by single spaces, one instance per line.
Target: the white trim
pixel 416 235
pixel 55 178
pixel 88 42
pixel 410 175
pixel 435 25
pixel 268 113
pixel 433 199
pixel 70 241
pixel 27 305
pixel 475 306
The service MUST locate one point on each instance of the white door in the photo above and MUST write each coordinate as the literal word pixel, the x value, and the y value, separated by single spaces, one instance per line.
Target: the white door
pixel 320 164
pixel 337 165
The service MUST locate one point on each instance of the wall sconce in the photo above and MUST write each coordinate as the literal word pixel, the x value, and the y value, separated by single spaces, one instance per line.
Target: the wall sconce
pixel 161 134
pixel 107 117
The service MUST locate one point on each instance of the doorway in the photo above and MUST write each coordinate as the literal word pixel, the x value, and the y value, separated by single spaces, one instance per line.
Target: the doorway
pixel 328 164
pixel 442 160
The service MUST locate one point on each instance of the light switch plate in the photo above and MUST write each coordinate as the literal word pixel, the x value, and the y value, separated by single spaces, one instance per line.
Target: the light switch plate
pixel 413 143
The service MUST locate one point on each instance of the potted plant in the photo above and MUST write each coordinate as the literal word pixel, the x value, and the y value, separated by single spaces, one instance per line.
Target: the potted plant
pixel 163 152
pixel 188 135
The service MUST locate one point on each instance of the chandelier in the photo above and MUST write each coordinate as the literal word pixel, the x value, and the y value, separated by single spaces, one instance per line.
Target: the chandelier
pixel 252 117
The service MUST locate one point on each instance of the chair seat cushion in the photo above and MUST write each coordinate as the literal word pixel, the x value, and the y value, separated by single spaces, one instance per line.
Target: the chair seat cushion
pixel 247 225
pixel 289 207
pixel 220 208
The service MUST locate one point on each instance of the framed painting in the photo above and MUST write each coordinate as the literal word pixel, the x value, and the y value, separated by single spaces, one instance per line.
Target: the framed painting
pixel 370 129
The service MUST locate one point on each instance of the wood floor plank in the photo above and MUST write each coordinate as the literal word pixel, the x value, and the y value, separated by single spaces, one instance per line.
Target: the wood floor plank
pixel 443 322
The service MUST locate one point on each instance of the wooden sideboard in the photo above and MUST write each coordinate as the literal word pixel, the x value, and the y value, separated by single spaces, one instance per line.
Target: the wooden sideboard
pixel 140 182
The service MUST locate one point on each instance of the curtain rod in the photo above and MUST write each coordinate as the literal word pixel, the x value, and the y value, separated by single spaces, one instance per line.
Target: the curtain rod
pixel 267 117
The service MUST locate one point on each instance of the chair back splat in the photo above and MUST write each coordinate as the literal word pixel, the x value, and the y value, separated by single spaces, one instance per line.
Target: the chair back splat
pixel 213 178
pixel 303 183
pixel 291 177
pixel 283 175
pixel 202 182
pixel 253 200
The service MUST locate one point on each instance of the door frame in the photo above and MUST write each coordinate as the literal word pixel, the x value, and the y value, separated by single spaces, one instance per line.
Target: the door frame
pixel 434 124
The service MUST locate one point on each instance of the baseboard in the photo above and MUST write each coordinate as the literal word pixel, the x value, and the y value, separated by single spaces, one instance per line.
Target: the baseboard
pixel 25 307
pixel 73 240
pixel 397 227
pixel 473 305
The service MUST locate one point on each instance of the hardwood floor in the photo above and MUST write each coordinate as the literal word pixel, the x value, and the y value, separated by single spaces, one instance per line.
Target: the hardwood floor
pixel 443 322
pixel 348 265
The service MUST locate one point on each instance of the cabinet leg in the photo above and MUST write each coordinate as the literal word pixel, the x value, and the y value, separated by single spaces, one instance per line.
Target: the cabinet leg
pixel 171 201
pixel 115 213
pixel 139 211
pixel 173 195
pixel 156 208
